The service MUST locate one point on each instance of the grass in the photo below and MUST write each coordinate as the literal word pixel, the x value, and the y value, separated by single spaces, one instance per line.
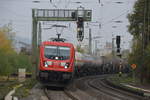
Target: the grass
pixel 8 85
pixel 125 78
pixel 24 90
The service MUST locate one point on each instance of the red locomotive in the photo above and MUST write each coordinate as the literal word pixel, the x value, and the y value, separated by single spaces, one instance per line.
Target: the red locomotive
pixel 56 62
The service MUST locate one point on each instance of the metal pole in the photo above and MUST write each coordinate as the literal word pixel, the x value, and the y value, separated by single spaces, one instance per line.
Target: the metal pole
pixel 95 47
pixel 148 26
pixel 90 41
pixel 39 34
pixel 133 75
pixel 34 44
pixel 146 20
pixel 113 46
pixel 144 30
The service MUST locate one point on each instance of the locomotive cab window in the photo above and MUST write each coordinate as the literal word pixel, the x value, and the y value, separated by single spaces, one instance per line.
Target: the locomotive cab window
pixel 57 52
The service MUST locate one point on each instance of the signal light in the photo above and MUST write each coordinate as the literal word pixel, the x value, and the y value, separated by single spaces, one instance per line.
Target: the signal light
pixel 117 40
pixel 80 22
pixel 73 15
pixel 80 28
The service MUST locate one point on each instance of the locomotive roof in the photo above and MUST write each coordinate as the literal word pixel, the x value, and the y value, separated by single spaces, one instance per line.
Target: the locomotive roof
pixel 57 43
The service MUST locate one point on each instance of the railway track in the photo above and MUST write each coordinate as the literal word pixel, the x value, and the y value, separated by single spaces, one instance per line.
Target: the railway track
pixel 87 88
pixel 113 92
pixel 98 88
pixel 59 94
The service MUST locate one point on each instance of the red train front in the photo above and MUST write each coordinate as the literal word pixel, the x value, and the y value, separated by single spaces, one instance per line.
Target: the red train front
pixel 56 63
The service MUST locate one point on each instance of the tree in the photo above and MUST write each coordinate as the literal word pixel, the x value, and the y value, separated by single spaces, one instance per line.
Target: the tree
pixel 140 29
pixel 6 49
pixel 10 61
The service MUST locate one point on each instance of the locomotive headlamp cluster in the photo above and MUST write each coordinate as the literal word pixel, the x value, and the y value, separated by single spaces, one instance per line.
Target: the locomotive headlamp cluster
pixel 46 63
pixel 66 65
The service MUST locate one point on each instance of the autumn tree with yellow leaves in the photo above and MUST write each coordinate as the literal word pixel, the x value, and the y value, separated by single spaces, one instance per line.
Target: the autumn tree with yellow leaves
pixel 10 61
pixel 6 50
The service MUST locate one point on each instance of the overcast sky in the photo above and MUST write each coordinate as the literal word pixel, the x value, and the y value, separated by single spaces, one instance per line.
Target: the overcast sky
pixel 18 12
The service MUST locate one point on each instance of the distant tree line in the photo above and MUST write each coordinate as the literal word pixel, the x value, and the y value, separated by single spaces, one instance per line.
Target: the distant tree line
pixel 140 29
pixel 10 60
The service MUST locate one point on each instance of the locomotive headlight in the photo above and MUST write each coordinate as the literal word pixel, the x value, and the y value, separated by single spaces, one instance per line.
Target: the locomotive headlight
pixel 45 64
pixel 56 58
pixel 66 65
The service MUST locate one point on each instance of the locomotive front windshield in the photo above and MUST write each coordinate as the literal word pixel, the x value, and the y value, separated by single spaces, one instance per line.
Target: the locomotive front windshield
pixel 57 52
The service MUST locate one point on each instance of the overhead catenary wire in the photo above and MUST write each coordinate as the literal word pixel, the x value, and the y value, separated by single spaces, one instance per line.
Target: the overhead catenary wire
pixel 126 11
pixel 56 1
pixel 122 14
pixel 116 17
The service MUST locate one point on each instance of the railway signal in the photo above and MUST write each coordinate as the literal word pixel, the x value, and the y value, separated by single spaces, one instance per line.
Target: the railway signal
pixel 118 43
pixel 118 40
pixel 80 23
pixel 80 29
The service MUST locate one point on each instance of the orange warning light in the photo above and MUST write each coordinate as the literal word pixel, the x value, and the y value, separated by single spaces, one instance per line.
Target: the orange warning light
pixel 133 66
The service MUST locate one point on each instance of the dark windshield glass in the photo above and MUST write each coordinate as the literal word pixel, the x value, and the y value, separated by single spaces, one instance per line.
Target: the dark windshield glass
pixel 57 52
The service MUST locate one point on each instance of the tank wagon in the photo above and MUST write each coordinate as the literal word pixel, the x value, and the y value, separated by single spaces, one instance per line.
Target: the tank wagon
pixel 91 65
